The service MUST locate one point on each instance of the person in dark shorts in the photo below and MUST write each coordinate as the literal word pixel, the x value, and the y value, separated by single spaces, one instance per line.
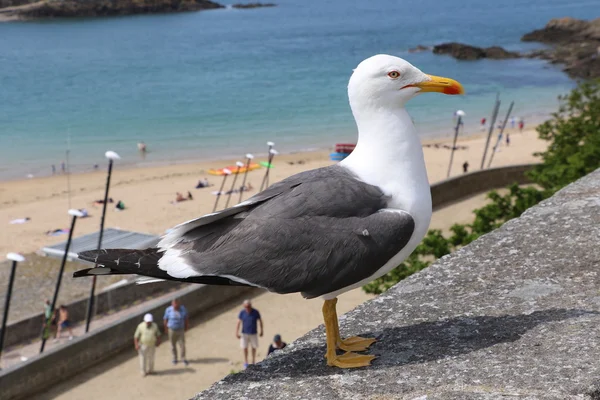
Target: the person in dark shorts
pixel 63 322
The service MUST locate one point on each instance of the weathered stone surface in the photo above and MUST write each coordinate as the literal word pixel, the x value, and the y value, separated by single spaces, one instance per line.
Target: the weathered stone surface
pixel 514 315
pixel 463 51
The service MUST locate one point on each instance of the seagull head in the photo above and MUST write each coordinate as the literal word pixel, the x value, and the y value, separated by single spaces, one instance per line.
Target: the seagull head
pixel 385 81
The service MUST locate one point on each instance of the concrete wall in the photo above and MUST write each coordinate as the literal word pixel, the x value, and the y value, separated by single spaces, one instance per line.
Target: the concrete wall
pixel 455 189
pixel 59 363
pixel 108 300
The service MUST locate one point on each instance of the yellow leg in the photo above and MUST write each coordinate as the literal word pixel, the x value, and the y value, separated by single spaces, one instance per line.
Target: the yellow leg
pixel 354 343
pixel 347 360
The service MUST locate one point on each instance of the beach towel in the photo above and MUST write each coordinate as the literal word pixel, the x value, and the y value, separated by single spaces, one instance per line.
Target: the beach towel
pixel 20 220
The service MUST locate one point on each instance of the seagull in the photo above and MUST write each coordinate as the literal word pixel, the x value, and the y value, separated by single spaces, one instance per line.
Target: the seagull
pixel 321 232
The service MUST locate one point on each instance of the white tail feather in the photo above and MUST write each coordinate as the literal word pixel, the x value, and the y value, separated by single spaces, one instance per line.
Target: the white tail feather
pixel 142 280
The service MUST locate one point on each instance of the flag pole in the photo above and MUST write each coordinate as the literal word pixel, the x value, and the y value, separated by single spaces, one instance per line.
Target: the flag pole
pixel 460 114
pixel 492 123
pixel 501 132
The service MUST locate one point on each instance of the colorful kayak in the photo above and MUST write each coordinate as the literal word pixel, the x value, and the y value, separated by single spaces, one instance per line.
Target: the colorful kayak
pixel 233 169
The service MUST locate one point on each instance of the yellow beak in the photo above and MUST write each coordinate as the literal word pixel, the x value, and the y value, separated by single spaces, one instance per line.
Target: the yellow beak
pixel 441 85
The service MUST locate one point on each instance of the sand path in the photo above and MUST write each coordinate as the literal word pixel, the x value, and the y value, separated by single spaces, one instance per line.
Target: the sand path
pixel 212 349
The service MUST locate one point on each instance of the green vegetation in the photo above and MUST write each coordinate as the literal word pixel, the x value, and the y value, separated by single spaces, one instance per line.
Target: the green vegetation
pixel 573 151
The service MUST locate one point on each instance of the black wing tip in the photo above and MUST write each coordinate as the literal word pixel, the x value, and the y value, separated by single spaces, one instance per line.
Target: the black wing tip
pixel 82 273
pixel 95 272
pixel 89 255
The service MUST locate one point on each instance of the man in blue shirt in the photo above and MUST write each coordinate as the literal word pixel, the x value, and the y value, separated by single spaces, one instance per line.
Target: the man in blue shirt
pixel 248 320
pixel 176 322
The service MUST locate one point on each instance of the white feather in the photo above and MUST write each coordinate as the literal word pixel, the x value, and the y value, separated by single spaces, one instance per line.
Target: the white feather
pixel 142 280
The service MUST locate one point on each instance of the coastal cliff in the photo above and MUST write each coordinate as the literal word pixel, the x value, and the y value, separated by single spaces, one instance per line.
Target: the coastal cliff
pixel 574 43
pixel 100 8
pixel 35 9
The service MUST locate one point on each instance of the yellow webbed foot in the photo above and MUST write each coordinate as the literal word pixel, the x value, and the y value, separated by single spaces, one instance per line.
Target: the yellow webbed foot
pixel 350 360
pixel 355 343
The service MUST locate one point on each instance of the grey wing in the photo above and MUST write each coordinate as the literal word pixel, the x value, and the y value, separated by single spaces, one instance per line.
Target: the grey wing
pixel 315 233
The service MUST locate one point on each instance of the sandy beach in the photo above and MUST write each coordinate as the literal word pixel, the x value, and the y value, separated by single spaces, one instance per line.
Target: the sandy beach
pixel 148 192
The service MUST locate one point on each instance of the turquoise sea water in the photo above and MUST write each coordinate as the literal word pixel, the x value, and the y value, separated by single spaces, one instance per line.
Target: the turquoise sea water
pixel 221 83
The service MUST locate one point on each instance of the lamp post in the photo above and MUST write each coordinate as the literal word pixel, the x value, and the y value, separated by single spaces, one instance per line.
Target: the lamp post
pixel 270 144
pixel 75 214
pixel 111 156
pixel 237 172
pixel 249 158
pixel 15 258
pixel 265 182
pixel 460 114
pixel 226 173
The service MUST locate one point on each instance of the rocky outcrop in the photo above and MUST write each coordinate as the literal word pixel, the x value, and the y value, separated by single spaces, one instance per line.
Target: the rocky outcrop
pixel 574 43
pixel 463 51
pixel 14 3
pixel 419 49
pixel 100 8
pixel 253 5
pixel 565 30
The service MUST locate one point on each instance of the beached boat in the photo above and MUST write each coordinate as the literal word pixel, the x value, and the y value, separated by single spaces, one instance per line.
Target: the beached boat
pixel 342 150
pixel 345 147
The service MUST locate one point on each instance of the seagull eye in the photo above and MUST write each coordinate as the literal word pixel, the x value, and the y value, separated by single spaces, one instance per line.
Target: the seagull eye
pixel 394 74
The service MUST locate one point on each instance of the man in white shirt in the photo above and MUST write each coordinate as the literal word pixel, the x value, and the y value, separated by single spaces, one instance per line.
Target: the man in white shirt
pixel 146 339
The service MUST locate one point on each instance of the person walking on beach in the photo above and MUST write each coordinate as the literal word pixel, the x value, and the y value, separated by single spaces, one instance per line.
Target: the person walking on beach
pixel 513 121
pixel 507 139
pixel 465 167
pixel 277 344
pixel 248 319
pixel 63 322
pixel 176 321
pixel 483 123
pixel 146 339
pixel 521 125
